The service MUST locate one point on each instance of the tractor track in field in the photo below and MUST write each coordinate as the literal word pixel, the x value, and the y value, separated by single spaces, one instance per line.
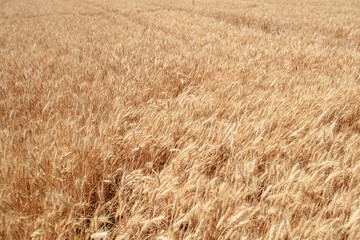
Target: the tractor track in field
pixel 229 18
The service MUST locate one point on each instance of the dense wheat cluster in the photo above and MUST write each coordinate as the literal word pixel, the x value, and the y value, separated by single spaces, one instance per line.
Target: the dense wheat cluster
pixel 218 119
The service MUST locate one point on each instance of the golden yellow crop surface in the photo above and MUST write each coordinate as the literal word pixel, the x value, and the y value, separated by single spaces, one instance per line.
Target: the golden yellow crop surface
pixel 216 119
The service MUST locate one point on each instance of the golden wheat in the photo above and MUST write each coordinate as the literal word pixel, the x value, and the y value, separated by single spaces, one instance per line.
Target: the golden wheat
pixel 179 119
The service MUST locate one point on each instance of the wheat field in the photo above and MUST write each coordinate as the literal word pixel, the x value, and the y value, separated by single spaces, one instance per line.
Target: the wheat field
pixel 204 119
